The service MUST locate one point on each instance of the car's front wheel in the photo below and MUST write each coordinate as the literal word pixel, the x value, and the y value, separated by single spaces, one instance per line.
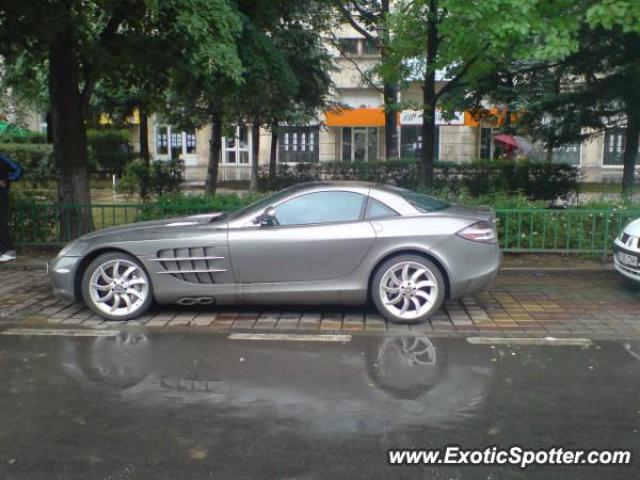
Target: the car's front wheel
pixel 116 286
pixel 408 289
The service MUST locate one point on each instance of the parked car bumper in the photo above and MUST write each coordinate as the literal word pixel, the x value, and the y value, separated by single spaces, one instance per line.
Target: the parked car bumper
pixel 471 266
pixel 624 269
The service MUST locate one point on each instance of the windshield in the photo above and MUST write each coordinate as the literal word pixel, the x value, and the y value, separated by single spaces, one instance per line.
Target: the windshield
pixel 422 202
pixel 258 206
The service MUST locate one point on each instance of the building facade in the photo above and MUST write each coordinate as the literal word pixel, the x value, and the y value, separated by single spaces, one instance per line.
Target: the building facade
pixel 356 131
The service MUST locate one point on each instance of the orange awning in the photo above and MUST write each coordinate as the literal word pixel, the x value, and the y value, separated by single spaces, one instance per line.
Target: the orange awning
pixel 493 116
pixel 374 117
pixel 355 117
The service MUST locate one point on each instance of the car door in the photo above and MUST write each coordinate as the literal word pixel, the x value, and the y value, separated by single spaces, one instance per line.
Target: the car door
pixel 317 236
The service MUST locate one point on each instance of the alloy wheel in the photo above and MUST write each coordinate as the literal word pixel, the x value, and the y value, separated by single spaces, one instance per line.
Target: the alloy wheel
pixel 408 290
pixel 118 287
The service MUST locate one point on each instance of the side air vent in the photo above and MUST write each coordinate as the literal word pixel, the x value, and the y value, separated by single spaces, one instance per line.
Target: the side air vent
pixel 194 265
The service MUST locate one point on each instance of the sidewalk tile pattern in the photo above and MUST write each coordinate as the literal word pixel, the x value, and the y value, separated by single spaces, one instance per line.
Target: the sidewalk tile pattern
pixel 599 305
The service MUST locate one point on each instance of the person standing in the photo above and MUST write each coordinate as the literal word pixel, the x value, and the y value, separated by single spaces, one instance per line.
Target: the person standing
pixel 9 172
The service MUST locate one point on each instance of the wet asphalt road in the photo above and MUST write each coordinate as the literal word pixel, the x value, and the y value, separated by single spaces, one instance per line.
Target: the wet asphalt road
pixel 189 406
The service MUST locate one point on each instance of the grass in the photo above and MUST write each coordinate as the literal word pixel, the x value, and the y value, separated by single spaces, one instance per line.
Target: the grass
pixel 600 188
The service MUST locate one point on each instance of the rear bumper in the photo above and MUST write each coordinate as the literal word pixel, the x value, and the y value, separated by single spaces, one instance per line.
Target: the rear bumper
pixel 474 268
pixel 62 272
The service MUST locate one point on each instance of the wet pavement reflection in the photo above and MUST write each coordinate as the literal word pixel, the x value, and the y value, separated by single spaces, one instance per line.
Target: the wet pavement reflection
pixel 142 405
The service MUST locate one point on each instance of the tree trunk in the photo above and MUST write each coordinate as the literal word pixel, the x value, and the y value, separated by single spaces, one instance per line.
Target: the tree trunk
pixel 144 135
pixel 390 93
pixel 215 147
pixel 429 98
pixel 69 136
pixel 49 128
pixel 255 155
pixel 390 122
pixel 632 133
pixel 273 156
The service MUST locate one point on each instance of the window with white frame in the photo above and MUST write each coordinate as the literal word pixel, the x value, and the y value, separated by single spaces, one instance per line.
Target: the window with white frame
pixel 615 141
pixel 351 47
pixel 568 154
pixel 298 144
pixel 175 142
pixel 190 143
pixel 237 148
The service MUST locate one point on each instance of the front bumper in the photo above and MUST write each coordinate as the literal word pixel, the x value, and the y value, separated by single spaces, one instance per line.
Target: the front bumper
pixel 62 274
pixel 628 271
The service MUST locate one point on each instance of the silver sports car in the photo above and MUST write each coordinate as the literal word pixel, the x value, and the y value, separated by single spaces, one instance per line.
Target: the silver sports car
pixel 315 243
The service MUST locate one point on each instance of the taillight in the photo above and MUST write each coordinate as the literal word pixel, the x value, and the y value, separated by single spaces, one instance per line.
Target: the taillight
pixel 482 232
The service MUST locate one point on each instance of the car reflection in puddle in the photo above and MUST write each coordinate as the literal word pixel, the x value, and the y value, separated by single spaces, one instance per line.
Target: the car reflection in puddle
pixel 359 385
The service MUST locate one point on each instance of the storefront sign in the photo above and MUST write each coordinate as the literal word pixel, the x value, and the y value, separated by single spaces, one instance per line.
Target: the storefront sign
pixel 414 117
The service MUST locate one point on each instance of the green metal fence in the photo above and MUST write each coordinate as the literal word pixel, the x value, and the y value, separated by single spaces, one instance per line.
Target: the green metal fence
pixel 55 224
pixel 578 231
pixel 582 231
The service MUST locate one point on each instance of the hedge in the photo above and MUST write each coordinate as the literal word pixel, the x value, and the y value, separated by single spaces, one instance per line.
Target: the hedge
pixel 35 158
pixel 534 179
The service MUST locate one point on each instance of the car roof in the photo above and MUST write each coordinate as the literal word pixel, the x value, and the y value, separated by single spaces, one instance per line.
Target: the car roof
pixel 349 184
pixel 387 194
pixel 356 185
pixel 334 183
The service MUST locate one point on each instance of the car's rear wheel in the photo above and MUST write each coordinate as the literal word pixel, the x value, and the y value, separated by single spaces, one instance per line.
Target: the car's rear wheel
pixel 116 286
pixel 408 289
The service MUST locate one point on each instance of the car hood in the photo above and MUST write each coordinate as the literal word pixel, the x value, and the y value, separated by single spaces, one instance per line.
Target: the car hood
pixel 633 228
pixel 176 227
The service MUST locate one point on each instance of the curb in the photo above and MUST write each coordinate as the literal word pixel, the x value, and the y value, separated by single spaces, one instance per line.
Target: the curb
pixel 19 266
pixel 559 270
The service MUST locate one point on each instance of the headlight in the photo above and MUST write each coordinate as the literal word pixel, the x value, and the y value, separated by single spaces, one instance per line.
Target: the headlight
pixel 482 232
pixel 73 249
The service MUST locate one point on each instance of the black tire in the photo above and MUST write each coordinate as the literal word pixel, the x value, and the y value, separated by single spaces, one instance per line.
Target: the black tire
pixel 435 275
pixel 95 265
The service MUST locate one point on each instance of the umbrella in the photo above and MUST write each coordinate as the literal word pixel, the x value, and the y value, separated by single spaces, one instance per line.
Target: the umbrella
pixel 516 142
pixel 524 145
pixel 506 140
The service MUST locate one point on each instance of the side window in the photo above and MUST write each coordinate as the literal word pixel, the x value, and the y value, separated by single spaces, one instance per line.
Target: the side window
pixel 376 209
pixel 321 207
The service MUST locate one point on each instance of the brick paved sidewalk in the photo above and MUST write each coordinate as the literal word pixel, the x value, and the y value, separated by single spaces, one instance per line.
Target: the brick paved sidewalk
pixel 594 305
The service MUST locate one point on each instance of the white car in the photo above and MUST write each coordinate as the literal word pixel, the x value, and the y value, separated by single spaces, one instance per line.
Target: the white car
pixel 626 251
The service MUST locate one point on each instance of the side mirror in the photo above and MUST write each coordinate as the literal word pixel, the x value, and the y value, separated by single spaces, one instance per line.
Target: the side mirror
pixel 267 218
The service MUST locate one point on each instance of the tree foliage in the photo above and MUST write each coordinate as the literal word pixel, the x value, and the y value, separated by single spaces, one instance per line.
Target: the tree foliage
pixel 79 44
pixel 583 88
pixel 451 47
pixel 283 76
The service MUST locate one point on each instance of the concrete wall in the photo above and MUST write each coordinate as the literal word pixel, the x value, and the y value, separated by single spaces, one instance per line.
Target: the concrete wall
pixel 459 143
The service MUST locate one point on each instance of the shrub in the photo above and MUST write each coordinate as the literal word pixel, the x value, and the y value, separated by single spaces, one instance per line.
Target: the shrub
pixel 180 204
pixel 535 180
pixel 159 178
pixel 29 221
pixel 20 135
pixel 36 160
pixel 109 150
